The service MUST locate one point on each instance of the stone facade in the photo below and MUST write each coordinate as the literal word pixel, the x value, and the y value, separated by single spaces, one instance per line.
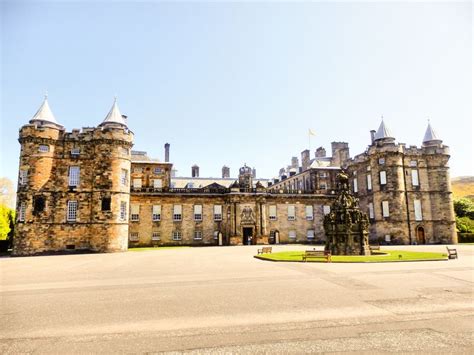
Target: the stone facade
pixel 87 190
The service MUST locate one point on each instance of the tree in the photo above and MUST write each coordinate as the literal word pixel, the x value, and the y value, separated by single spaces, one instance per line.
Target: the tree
pixel 7 193
pixel 464 207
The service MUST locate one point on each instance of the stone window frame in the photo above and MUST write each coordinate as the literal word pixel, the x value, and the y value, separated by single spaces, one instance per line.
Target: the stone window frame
pixel 137 183
pixel 177 235
pixel 75 151
pixel 43 148
pixel 23 177
pixel 155 236
pixel 177 213
pixel 134 237
pixel 291 214
pixel 309 215
pixel 22 212
pixel 123 210
pixel 197 212
pixel 381 161
pixel 157 170
pixel 418 210
pixel 216 214
pixel 370 206
pixel 72 209
pixel 385 209
pixel 326 209
pixel 310 234
pixel 369 182
pixel 74 176
pixel 383 177
pixel 134 212
pixel 156 213
pixel 355 186
pixel 292 234
pixel 272 217
pixel 124 177
pixel 197 234
pixel 415 178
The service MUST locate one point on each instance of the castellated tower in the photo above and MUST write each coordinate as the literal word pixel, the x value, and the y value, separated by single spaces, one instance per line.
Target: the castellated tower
pixel 73 187
pixel 405 191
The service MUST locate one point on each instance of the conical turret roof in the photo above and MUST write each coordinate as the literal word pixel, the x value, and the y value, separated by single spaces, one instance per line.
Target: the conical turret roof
pixel 44 114
pixel 114 116
pixel 430 135
pixel 383 132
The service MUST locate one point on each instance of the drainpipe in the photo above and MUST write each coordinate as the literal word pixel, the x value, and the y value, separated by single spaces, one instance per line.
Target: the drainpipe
pixel 406 199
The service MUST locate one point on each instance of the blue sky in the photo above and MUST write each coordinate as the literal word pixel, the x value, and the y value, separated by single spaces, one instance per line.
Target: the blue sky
pixel 234 83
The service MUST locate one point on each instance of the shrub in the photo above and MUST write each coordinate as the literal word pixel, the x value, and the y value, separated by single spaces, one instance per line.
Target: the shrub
pixel 465 224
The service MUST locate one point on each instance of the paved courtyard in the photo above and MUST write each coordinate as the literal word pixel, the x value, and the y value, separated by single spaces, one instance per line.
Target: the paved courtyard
pixel 222 300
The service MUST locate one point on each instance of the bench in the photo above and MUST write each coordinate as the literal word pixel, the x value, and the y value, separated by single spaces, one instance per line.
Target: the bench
pixel 264 250
pixel 317 254
pixel 374 247
pixel 452 253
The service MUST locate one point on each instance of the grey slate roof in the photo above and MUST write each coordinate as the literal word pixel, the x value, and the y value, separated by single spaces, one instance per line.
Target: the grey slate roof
pixel 430 134
pixel 44 113
pixel 383 132
pixel 114 116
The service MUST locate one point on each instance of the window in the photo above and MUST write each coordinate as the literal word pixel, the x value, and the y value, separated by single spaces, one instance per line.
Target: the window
pixel 383 178
pixel 157 170
pixel 310 234
pixel 138 169
pixel 22 212
pixel 106 203
pixel 381 161
pixel 291 213
pixel 369 182
pixel 157 183
pixel 177 235
pixel 134 237
pixel 414 178
pixel 418 213
pixel 355 185
pixel 155 236
pixel 124 177
pixel 43 148
pixel 326 210
pixel 369 168
pixel 198 235
pixel 134 212
pixel 39 204
pixel 156 213
pixel 217 212
pixel 74 175
pixel 322 175
pixel 292 235
pixel 123 210
pixel 385 209
pixel 323 186
pixel 309 212
pixel 198 212
pixel 23 177
pixel 272 212
pixel 177 213
pixel 75 152
pixel 125 151
pixel 216 235
pixel 71 211
pixel 371 210
pixel 413 163
pixel 137 183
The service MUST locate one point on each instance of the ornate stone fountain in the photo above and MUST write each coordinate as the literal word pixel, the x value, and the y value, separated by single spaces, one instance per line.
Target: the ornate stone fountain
pixel 346 227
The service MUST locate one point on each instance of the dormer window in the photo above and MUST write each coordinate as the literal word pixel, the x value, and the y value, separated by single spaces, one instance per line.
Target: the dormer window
pixel 43 148
pixel 75 152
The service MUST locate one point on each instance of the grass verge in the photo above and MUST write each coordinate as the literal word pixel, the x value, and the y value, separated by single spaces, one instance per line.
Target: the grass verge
pixel 387 256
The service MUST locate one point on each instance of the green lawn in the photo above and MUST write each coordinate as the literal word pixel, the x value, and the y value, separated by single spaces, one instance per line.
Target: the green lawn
pixel 158 248
pixel 390 255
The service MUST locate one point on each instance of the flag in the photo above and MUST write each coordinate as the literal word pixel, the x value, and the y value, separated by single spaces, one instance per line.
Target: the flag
pixel 310 132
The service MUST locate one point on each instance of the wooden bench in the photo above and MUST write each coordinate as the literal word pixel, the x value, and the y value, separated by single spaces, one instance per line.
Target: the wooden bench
pixel 264 250
pixel 374 247
pixel 452 253
pixel 317 254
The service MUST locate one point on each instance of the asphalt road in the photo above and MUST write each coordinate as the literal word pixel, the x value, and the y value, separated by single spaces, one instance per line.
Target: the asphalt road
pixel 222 300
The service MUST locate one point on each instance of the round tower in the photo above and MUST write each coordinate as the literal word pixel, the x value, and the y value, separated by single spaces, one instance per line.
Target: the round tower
pixel 112 141
pixel 38 161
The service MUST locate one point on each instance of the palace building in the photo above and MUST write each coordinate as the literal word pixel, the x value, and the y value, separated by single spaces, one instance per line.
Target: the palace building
pixel 88 190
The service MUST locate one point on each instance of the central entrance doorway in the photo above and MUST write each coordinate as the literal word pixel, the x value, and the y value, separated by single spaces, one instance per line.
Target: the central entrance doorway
pixel 247 233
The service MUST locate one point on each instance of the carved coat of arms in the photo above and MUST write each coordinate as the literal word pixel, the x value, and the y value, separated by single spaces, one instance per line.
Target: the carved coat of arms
pixel 247 216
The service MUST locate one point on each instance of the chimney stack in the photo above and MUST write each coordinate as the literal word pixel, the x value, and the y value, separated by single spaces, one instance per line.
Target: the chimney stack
pixel 372 136
pixel 225 172
pixel 195 171
pixel 254 173
pixel 167 152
